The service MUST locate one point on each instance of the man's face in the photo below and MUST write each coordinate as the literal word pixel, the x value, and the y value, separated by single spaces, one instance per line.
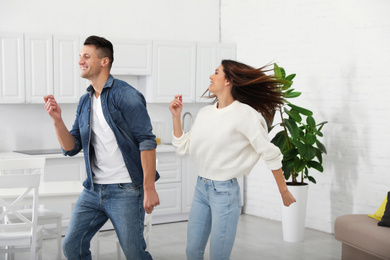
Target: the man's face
pixel 90 64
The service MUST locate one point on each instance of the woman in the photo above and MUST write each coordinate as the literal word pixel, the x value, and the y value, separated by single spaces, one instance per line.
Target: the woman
pixel 225 142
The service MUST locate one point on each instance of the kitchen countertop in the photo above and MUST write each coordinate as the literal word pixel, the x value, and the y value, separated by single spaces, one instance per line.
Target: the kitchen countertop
pixel 162 148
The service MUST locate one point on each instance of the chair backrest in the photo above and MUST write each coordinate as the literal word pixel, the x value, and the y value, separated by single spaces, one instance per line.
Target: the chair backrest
pixel 18 190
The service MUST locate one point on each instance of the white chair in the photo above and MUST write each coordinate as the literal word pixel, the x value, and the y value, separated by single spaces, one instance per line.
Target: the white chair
pixel 111 236
pixel 46 218
pixel 26 235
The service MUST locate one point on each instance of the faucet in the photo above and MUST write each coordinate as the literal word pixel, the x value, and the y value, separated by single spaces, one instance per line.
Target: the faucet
pixel 184 117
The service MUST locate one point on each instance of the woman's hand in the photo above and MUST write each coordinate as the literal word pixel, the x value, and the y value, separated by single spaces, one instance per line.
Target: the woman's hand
pixel 176 106
pixel 287 198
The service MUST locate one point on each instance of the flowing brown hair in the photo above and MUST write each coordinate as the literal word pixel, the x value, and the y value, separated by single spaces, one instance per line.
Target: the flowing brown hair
pixel 253 87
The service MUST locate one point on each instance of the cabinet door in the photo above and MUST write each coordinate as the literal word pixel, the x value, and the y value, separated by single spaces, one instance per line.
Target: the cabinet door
pixel 66 69
pixel 64 169
pixel 12 88
pixel 170 198
pixel 189 177
pixel 208 58
pixel 173 72
pixel 168 167
pixel 206 63
pixel 132 57
pixel 39 67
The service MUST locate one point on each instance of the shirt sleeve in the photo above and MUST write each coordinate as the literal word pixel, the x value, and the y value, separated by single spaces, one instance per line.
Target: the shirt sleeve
pixel 133 107
pixel 254 128
pixel 182 143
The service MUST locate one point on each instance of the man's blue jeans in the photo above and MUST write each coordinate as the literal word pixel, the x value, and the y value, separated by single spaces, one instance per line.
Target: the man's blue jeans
pixel 123 205
pixel 215 210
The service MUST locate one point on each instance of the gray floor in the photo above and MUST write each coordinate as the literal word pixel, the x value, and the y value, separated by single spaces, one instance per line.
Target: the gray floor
pixel 256 239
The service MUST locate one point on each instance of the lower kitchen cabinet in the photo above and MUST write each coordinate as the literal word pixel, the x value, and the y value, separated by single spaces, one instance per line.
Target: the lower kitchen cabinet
pixel 65 169
pixel 170 199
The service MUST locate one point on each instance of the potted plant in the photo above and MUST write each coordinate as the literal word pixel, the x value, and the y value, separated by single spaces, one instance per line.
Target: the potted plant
pixel 298 141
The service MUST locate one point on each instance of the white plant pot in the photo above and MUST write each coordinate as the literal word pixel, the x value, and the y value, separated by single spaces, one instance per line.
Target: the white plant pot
pixel 293 217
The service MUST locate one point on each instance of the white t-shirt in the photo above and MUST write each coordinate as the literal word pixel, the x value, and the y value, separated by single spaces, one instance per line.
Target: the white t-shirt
pixel 227 143
pixel 107 162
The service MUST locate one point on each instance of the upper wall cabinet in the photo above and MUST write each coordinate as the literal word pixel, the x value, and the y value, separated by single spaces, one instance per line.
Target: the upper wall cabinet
pixel 12 88
pixel 174 68
pixel 39 67
pixel 34 65
pixel 66 68
pixel 132 57
pixel 208 58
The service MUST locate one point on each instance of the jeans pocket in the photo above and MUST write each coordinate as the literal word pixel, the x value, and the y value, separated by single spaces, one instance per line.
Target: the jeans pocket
pixel 222 187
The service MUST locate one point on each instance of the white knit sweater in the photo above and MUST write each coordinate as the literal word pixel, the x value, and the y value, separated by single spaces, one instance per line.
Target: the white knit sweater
pixel 227 143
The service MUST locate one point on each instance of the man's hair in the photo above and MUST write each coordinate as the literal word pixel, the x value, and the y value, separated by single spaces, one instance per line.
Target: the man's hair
pixel 103 45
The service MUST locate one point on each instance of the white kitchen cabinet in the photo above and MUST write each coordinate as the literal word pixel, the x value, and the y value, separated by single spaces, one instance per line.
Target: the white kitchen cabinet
pixel 170 199
pixel 12 88
pixel 207 62
pixel 190 177
pixel 174 72
pixel 208 58
pixel 132 57
pixel 65 169
pixel 169 185
pixel 39 66
pixel 66 68
pixel 169 167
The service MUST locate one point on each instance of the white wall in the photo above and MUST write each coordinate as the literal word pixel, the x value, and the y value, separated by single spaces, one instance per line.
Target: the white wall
pixel 28 126
pixel 190 20
pixel 340 51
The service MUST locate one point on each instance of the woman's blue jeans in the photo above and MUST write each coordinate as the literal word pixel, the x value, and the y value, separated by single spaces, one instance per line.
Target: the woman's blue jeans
pixel 214 213
pixel 123 205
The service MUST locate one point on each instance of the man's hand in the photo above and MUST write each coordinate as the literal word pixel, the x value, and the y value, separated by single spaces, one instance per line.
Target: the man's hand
pixel 52 108
pixel 151 200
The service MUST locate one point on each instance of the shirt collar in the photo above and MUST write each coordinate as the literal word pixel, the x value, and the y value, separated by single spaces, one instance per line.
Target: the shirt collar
pixel 109 83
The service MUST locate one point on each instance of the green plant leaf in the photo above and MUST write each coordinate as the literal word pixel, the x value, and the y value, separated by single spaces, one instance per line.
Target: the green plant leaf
pixel 315 165
pixel 310 152
pixel 321 125
pixel 311 139
pixel 292 128
pixel 321 146
pixel 299 164
pixel 277 71
pixel 300 146
pixel 301 110
pixel 292 95
pixel 290 77
pixel 319 155
pixel 280 139
pixel 288 167
pixel 312 179
pixel 311 122
pixel 293 114
pixel 290 154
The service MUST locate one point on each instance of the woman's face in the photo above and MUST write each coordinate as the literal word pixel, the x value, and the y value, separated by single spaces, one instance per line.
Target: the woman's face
pixel 217 81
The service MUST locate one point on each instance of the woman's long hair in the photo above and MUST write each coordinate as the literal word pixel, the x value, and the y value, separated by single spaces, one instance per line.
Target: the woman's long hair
pixel 253 87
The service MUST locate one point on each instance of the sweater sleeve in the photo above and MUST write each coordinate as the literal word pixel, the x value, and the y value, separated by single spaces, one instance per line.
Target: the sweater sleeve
pixel 254 128
pixel 182 143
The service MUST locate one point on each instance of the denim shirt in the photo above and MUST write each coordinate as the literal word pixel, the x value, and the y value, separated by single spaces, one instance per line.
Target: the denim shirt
pixel 124 109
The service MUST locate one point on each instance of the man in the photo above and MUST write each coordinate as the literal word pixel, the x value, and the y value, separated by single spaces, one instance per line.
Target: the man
pixel 113 128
